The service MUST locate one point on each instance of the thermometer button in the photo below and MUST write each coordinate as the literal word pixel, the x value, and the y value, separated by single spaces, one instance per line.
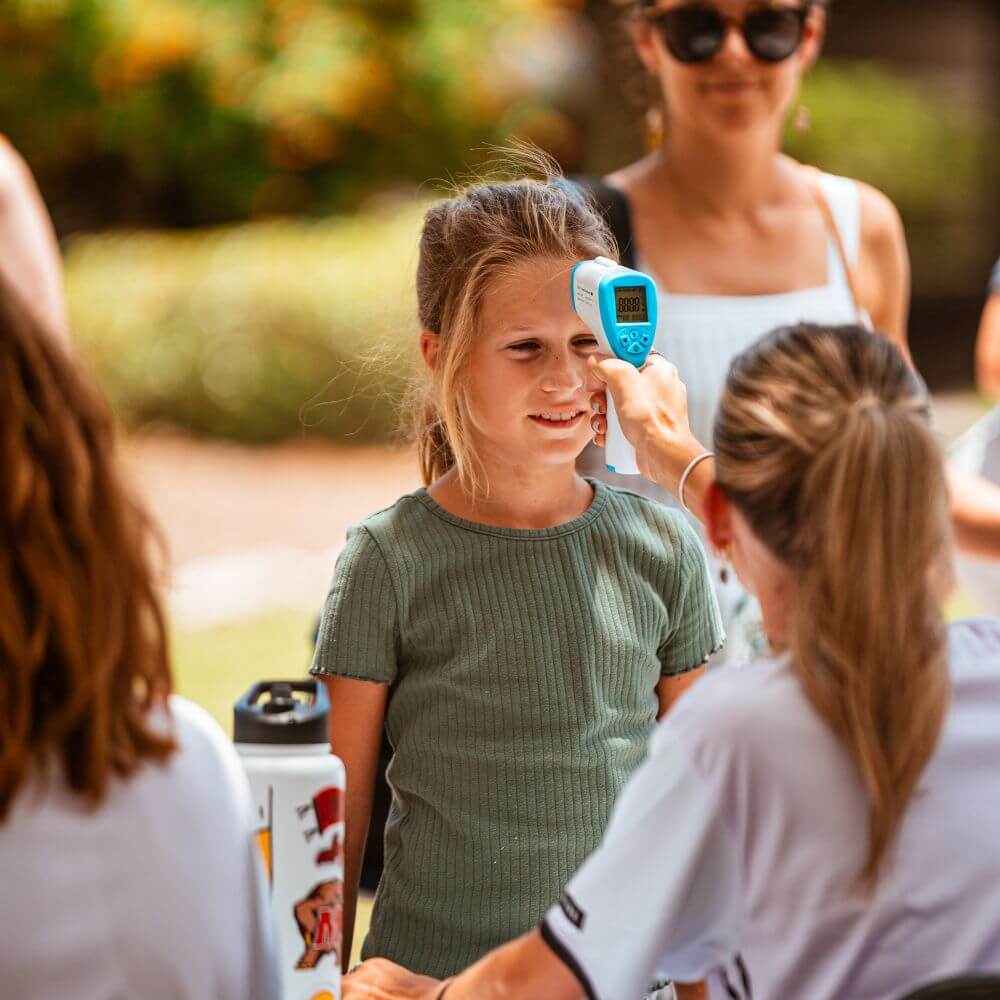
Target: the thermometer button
pixel 635 348
pixel 646 338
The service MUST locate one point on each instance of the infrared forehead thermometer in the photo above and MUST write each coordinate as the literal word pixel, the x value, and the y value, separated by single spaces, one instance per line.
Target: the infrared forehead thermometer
pixel 620 307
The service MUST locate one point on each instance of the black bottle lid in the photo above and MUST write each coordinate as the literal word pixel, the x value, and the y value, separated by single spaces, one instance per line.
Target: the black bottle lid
pixel 270 713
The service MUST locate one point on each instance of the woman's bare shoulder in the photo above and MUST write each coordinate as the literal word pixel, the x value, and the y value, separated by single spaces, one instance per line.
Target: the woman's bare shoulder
pixel 631 179
pixel 881 225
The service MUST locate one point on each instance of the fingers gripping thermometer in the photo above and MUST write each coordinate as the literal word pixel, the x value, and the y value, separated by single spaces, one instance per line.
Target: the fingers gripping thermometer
pixel 620 307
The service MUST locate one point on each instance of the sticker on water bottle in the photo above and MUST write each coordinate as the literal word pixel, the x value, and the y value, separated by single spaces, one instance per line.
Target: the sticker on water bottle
pixel 326 809
pixel 319 917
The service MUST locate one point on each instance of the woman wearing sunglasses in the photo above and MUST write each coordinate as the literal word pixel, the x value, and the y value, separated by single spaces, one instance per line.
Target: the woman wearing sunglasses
pixel 740 237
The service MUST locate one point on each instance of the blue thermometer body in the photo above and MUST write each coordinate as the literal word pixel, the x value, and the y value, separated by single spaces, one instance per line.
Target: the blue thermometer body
pixel 620 306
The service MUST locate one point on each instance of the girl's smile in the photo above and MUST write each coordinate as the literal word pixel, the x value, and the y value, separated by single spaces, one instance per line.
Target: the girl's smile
pixel 559 421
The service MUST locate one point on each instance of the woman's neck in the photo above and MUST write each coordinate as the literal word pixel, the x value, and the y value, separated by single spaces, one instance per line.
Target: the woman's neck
pixel 516 496
pixel 722 178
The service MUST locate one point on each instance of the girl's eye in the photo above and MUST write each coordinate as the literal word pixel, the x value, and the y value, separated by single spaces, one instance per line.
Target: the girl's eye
pixel 586 343
pixel 522 346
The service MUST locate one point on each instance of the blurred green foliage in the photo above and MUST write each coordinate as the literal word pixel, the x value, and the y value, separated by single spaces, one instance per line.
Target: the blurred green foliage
pixel 203 111
pixel 937 162
pixel 254 332
pixel 272 329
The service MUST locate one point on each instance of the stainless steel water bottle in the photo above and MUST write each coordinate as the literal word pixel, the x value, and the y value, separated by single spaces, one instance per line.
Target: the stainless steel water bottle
pixel 280 731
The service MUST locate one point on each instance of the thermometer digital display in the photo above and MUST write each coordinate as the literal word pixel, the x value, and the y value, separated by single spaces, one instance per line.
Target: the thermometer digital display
pixel 620 307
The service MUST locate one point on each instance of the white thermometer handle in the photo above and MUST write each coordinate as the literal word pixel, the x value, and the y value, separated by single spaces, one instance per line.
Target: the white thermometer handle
pixel 619 455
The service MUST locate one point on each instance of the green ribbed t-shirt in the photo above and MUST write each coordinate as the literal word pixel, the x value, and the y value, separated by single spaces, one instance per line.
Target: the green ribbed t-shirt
pixel 523 666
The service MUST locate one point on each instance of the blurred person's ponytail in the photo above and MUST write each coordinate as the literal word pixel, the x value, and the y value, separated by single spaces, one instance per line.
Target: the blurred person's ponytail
pixel 822 442
pixel 467 242
pixel 82 635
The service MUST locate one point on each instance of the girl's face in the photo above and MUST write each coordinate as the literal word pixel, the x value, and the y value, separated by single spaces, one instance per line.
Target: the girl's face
pixel 527 384
pixel 733 92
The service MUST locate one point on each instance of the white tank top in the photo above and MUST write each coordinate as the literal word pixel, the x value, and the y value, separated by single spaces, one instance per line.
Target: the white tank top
pixel 701 334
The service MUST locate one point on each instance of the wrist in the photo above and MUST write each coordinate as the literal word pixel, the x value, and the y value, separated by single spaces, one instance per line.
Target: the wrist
pixel 697 483
pixel 443 988
pixel 671 455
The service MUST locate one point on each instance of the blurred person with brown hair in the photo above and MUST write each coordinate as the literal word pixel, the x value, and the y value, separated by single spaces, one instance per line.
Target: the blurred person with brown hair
pixel 823 822
pixel 126 854
pixel 29 254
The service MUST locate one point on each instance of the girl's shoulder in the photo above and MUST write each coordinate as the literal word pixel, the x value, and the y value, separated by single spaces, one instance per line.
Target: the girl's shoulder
pixel 649 511
pixel 410 512
pixel 661 538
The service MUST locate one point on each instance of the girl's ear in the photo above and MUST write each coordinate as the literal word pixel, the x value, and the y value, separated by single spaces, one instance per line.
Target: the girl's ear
pixel 718 518
pixel 430 344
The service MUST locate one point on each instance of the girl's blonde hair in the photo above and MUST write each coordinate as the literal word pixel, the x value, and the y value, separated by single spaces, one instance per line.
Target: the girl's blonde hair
pixel 822 442
pixel 83 640
pixel 467 242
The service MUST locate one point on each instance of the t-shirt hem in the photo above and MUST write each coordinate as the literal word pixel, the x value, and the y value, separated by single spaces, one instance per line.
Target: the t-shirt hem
pixel 350 675
pixel 677 672
pixel 567 958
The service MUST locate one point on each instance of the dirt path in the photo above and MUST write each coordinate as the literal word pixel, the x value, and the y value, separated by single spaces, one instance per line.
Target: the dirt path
pixel 252 528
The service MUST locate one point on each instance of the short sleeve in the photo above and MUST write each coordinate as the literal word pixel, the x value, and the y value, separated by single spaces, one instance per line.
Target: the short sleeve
pixel 662 892
pixel 358 630
pixel 695 623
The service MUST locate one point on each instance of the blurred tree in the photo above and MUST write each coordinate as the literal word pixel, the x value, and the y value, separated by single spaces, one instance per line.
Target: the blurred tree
pixel 196 111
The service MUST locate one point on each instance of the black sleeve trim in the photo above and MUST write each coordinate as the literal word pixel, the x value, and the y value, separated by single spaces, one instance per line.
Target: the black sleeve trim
pixel 567 958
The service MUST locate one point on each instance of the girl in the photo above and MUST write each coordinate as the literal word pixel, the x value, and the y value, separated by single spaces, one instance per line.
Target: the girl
pixel 516 628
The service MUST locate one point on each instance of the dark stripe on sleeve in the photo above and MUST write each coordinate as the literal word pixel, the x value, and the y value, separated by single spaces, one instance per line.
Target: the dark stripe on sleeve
pixel 745 975
pixel 733 995
pixel 567 958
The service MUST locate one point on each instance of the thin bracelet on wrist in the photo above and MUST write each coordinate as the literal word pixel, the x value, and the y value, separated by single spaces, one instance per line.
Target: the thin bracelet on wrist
pixel 688 469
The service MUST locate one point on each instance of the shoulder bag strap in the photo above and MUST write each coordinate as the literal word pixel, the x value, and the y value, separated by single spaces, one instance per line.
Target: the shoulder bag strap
pixel 615 209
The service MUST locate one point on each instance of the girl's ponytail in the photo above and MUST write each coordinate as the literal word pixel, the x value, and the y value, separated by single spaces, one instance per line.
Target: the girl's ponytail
pixel 867 638
pixel 822 442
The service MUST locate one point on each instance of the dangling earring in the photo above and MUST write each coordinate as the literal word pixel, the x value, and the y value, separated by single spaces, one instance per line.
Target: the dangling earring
pixel 802 120
pixel 725 557
pixel 654 129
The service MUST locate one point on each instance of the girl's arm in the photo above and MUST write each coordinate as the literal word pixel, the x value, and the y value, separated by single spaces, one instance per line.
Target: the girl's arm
pixel 668 690
pixel 884 267
pixel 357 714
pixel 672 686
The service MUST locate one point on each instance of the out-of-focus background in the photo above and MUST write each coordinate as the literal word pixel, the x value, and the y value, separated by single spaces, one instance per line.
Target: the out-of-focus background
pixel 238 185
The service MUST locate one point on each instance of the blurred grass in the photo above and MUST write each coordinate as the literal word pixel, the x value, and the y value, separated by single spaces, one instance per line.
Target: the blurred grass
pixel 214 666
pixel 256 332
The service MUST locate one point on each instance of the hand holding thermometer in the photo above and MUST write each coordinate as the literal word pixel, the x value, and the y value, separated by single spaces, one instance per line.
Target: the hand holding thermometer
pixel 620 307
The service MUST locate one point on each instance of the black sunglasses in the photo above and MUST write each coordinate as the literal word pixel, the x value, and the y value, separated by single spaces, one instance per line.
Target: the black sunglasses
pixel 694 33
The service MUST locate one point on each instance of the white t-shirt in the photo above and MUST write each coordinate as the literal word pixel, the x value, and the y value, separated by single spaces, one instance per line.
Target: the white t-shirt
pixel 157 893
pixel 734 849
